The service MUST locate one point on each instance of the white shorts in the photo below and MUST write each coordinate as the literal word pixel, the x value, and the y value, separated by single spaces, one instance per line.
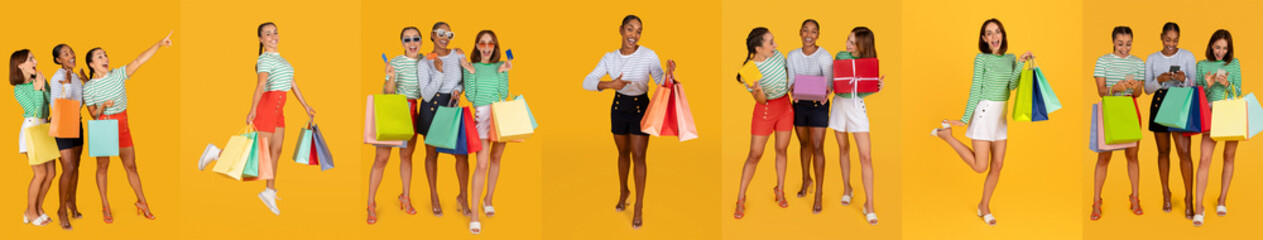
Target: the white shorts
pixel 848 115
pixel 27 122
pixel 988 123
pixel 482 120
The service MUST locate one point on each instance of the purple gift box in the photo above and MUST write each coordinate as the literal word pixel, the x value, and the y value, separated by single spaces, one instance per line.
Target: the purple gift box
pixel 812 88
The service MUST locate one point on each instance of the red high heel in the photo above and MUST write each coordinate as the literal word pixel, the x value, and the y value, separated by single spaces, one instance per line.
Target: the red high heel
pixel 107 215
pixel 372 207
pixel 779 196
pixel 741 208
pixel 1096 210
pixel 1135 205
pixel 405 204
pixel 143 210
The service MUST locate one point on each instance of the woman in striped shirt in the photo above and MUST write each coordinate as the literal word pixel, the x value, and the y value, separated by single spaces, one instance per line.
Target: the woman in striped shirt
pixel 811 118
pixel 635 65
pixel 1220 76
pixel 772 113
pixel 995 75
pixel 267 109
pixel 66 84
pixel 486 81
pixel 106 98
pixel 442 66
pixel 1158 79
pixel 1116 74
pixel 401 78
pixel 850 115
pixel 28 88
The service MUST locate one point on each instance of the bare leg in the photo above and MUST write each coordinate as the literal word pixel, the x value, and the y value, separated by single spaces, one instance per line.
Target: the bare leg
pixel 844 161
pixel 1203 172
pixel 102 182
pixel 405 169
pixel 805 152
pixel 1164 167
pixel 128 155
pixel 757 143
pixel 375 177
pixel 1230 158
pixel 1133 174
pixel 32 191
pixel 493 174
pixel 640 146
pixel 817 144
pixel 993 177
pixel 432 177
pixel 482 162
pixel 866 169
pixel 277 140
pixel 977 160
pixel 50 171
pixel 72 203
pixel 624 168
pixel 1182 144
pixel 69 168
pixel 1098 182
pixel 462 177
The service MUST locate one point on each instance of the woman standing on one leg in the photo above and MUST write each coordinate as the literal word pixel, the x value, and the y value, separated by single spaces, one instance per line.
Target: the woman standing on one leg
pixel 1115 75
pixel 850 115
pixel 402 77
pixel 772 113
pixel 634 65
pixel 267 110
pixel 106 98
pixel 66 84
pixel 995 75
pixel 1158 78
pixel 28 88
pixel 811 117
pixel 1219 58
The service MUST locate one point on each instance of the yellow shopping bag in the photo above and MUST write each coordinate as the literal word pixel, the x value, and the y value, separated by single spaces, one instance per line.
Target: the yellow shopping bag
pixel 40 148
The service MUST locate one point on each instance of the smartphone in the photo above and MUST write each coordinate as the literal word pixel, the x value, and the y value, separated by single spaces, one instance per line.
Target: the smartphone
pixel 1175 68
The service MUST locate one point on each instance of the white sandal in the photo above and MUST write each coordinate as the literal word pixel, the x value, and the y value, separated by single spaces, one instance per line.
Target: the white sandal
pixel 989 219
pixel 1198 219
pixel 42 220
pixel 489 211
pixel 475 227
pixel 1221 210
pixel 846 200
pixel 871 217
pixel 934 132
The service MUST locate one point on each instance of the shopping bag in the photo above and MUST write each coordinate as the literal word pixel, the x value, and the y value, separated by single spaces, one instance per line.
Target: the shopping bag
pixel 511 120
pixel 264 155
pixel 1254 114
pixel 856 75
pixel 462 136
pixel 812 88
pixel 1096 138
pixel 370 126
pixel 445 128
pixel 1121 119
pixel 103 138
pixel 391 113
pixel 1199 115
pixel 302 149
pixel 1175 106
pixel 321 148
pixel 1228 120
pixel 251 168
pixel 233 158
pixel 64 118
pixel 655 119
pixel 534 124
pixel 1024 96
pixel 40 147
pixel 683 114
pixel 1046 93
pixel 471 131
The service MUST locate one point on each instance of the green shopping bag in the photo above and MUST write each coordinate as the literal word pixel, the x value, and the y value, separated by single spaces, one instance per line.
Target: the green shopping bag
pixel 1025 93
pixel 391 117
pixel 1175 107
pixel 251 168
pixel 444 128
pixel 1051 102
pixel 1121 118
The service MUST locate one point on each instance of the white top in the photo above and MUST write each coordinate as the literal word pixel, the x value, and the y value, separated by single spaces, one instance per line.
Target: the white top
pixel 819 63
pixel 635 68
pixel 441 82
pixel 1157 63
pixel 72 90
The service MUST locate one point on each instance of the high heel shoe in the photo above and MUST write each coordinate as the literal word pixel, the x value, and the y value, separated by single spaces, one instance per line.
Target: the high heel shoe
pixel 1166 202
pixel 436 207
pixel 1096 210
pixel 143 210
pixel 779 197
pixel 1135 205
pixel 741 208
pixel 405 204
pixel 107 215
pixel 372 219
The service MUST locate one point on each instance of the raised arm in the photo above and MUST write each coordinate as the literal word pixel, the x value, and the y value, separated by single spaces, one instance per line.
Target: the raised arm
pixel 148 53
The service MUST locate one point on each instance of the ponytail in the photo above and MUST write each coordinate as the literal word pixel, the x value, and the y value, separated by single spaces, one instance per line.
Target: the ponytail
pixel 754 40
pixel 260 34
pixel 91 71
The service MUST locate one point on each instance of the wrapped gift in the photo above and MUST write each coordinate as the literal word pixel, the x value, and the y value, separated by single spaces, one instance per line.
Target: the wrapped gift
pixel 856 75
pixel 807 87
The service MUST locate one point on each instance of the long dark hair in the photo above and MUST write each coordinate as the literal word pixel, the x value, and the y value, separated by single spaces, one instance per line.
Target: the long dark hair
pixel 1210 47
pixel 753 40
pixel 495 54
pixel 865 42
pixel 15 74
pixel 1004 37
pixel 91 71
pixel 260 33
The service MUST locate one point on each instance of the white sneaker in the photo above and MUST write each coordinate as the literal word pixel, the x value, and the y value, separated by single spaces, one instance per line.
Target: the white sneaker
pixel 210 154
pixel 269 198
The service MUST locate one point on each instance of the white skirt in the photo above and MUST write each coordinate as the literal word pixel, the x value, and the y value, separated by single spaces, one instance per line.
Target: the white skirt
pixel 482 121
pixel 26 123
pixel 848 115
pixel 988 123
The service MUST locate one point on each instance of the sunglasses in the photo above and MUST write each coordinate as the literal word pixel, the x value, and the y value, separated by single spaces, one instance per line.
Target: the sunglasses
pixel 412 39
pixel 444 33
pixel 485 45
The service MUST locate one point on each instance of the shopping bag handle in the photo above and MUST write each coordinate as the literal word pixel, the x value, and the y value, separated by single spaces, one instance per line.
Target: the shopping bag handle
pixel 247 129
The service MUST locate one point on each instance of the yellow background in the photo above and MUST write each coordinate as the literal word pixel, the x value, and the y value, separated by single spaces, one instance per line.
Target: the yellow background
pixel 1197 22
pixel 152 96
pixel 764 219
pixel 1037 194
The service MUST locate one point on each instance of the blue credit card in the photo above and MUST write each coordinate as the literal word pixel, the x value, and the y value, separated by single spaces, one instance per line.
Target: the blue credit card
pixel 509 53
pixel 384 59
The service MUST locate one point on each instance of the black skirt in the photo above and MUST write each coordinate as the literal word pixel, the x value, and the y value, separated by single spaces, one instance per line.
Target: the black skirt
pixel 1153 112
pixel 626 112
pixel 426 113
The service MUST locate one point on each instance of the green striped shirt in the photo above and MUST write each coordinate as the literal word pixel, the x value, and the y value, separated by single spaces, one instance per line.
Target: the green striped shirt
pixel 1215 91
pixel 406 82
pixel 280 73
pixel 1114 69
pixel 487 85
pixel 109 87
pixel 34 102
pixel 775 80
pixel 994 77
pixel 844 55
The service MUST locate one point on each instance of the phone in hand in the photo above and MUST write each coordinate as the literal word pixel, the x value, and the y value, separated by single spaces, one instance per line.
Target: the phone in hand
pixel 1175 68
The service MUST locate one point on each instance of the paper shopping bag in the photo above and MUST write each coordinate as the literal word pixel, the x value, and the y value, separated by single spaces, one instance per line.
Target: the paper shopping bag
pixel 1049 97
pixel 445 128
pixel 233 158
pixel 1175 106
pixel 264 155
pixel 64 118
pixel 302 149
pixel 461 145
pixel 370 126
pixel 1022 99
pixel 534 124
pixel 1121 119
pixel 1098 137
pixel 654 120
pixel 683 114
pixel 321 148
pixel 103 138
pixel 511 120
pixel 1228 119
pixel 1254 114
pixel 391 113
pixel 40 147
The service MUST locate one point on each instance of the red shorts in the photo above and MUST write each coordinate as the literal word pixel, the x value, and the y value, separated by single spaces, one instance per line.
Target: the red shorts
pixel 776 115
pixel 124 133
pixel 270 113
pixel 412 110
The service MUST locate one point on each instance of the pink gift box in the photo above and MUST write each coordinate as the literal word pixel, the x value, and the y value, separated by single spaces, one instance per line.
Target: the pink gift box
pixel 807 87
pixel 856 75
